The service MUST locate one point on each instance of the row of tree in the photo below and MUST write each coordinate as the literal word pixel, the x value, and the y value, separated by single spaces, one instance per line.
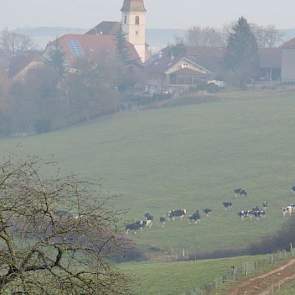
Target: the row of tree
pixel 241 43
pixel 266 36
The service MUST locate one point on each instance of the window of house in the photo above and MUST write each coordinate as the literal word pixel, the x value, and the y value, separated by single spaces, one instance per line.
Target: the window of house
pixel 185 66
pixel 136 33
pixel 137 20
pixel 125 20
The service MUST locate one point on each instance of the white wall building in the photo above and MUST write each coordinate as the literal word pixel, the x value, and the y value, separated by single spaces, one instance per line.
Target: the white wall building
pixel 134 25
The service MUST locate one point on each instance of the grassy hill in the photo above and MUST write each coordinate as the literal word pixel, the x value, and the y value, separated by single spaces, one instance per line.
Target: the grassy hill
pixel 178 277
pixel 193 277
pixel 189 156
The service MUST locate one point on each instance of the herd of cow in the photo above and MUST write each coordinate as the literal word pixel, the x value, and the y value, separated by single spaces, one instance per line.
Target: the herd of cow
pixel 195 217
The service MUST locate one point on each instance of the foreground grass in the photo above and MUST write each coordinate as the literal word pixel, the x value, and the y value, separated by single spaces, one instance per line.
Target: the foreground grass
pixel 179 277
pixel 288 289
pixel 189 156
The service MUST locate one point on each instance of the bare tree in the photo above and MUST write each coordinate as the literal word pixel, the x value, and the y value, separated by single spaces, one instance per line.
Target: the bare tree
pixel 205 37
pixel 48 250
pixel 267 36
pixel 13 44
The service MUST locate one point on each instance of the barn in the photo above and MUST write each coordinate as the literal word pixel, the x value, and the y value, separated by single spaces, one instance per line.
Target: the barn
pixel 288 62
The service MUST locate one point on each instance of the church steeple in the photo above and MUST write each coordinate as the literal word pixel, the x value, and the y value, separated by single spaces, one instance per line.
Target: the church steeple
pixel 133 5
pixel 134 25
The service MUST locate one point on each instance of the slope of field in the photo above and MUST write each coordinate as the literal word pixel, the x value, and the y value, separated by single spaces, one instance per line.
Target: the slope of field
pixel 286 290
pixel 191 157
pixel 267 283
pixel 179 277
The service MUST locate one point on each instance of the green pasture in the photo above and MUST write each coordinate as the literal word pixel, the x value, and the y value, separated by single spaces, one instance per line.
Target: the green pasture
pixel 288 289
pixel 179 277
pixel 188 156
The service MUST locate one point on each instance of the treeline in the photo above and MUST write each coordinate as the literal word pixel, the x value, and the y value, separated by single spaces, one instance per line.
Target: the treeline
pixel 266 36
pixel 240 44
pixel 45 96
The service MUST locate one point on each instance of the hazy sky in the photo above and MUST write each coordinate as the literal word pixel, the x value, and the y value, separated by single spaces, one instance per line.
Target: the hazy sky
pixel 161 13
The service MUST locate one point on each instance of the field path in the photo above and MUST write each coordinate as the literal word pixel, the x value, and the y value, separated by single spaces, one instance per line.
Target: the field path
pixel 265 284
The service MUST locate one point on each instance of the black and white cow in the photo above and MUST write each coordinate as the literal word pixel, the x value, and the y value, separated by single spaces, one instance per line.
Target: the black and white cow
pixel 148 216
pixel 195 217
pixel 289 210
pixel 177 213
pixel 244 213
pixel 237 192
pixel 138 225
pixel 227 205
pixel 244 193
pixel 255 212
pixel 240 192
pixel 207 211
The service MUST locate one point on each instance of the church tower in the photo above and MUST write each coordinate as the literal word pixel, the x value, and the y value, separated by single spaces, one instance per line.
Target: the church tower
pixel 134 25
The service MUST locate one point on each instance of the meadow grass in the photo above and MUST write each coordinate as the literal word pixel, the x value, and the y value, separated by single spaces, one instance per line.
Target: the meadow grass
pixel 288 289
pixel 190 156
pixel 178 277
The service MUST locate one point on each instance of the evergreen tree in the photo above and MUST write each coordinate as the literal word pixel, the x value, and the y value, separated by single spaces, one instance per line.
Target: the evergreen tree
pixel 56 59
pixel 122 49
pixel 241 58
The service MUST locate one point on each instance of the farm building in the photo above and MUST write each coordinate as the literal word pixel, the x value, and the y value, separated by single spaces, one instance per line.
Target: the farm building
pixel 182 66
pixel 288 62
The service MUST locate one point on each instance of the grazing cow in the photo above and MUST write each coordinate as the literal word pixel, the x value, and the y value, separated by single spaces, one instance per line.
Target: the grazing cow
pixel 195 217
pixel 162 221
pixel 136 226
pixel 243 193
pixel 227 205
pixel 244 213
pixel 289 210
pixel 148 216
pixel 255 212
pixel 237 192
pixel 177 213
pixel 207 211
pixel 240 192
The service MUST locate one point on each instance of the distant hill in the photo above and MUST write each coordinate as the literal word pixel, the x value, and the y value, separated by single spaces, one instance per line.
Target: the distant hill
pixel 157 38
pixel 288 34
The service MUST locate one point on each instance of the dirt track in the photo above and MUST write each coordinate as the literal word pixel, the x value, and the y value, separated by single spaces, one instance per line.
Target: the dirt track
pixel 267 283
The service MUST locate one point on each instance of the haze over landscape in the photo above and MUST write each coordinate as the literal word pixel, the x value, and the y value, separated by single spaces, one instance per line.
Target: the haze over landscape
pixel 165 13
pixel 147 147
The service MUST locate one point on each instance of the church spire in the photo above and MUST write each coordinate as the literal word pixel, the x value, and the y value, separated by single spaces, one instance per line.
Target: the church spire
pixel 134 25
pixel 133 5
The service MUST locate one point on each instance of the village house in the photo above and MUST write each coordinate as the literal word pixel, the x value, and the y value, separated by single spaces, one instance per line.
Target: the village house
pixel 288 62
pixel 102 40
pixel 173 67
pixel 181 66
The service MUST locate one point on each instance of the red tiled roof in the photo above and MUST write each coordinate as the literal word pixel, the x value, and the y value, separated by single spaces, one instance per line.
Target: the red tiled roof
pixel 106 28
pixel 77 46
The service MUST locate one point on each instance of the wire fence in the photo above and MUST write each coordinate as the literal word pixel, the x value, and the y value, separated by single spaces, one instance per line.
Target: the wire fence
pixel 237 273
